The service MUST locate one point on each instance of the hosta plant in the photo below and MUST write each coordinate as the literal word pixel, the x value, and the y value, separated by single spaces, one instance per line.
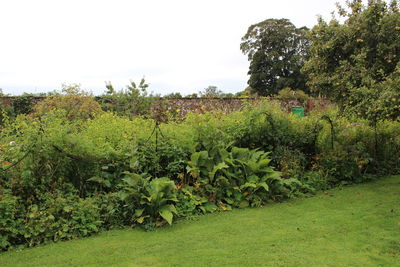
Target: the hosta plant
pixel 237 177
pixel 149 201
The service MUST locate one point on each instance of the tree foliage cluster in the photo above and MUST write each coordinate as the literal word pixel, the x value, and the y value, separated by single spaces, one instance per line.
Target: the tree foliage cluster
pixel 352 59
pixel 356 62
pixel 276 50
pixel 131 101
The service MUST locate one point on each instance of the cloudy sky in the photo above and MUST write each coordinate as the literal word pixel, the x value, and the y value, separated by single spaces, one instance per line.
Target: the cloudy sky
pixel 178 45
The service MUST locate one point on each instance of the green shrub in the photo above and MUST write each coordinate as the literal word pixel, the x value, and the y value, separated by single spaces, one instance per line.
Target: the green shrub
pixel 314 181
pixel 359 150
pixel 111 210
pixel 148 201
pixel 10 220
pixel 90 155
pixel 165 159
pixel 291 162
pixel 61 218
pixel 237 177
pixel 189 203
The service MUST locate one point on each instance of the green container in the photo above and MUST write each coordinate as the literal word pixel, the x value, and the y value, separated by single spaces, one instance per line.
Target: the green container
pixel 298 111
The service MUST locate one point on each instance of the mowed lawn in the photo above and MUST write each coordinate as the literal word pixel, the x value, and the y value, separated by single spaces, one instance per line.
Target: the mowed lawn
pixel 350 226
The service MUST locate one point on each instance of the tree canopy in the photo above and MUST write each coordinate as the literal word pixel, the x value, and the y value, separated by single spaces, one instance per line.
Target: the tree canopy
pixel 354 60
pixel 276 50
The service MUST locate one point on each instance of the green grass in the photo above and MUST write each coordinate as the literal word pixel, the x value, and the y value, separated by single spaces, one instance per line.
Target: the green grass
pixel 350 226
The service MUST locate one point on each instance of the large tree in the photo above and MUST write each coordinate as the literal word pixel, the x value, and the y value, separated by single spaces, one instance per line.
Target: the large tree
pixel 354 60
pixel 277 51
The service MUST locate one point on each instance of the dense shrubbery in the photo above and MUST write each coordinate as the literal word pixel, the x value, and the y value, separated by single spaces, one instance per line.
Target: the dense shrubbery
pixel 64 176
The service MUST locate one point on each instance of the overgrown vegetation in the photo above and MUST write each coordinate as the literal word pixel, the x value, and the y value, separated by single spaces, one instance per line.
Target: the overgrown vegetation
pixel 65 175
pixel 71 166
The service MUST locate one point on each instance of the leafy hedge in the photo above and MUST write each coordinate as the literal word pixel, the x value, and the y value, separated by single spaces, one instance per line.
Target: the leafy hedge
pixel 64 177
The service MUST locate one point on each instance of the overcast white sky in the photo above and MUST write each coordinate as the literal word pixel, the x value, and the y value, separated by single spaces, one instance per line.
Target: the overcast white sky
pixel 178 45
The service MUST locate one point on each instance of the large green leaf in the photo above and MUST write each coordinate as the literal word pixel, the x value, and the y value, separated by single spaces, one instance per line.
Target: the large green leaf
pixel 216 168
pixel 253 166
pixel 194 159
pixel 264 185
pixel 166 212
pixel 161 189
pixel 275 175
pixel 247 185
pixel 264 162
pixel 139 212
pixel 208 207
pixel 256 155
pixel 224 154
pixel 253 179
